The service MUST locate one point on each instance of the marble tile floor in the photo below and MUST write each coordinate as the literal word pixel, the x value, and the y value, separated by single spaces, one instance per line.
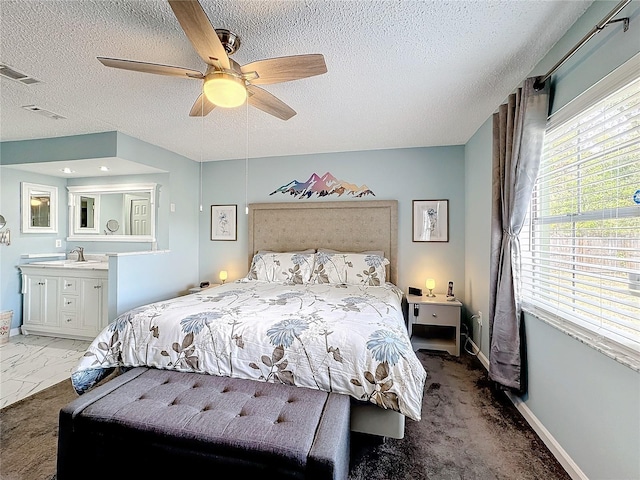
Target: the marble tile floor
pixel 30 363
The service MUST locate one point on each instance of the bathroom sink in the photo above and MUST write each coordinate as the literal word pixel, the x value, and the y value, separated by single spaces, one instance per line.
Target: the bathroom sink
pixel 96 264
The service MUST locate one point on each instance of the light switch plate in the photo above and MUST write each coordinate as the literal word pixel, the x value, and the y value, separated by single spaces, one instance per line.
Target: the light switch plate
pixel 58 243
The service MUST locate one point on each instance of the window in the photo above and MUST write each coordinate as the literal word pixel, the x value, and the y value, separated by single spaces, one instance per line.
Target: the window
pixel 581 244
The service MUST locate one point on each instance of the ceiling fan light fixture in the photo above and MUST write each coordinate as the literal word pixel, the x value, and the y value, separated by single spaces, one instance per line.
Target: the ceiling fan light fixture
pixel 225 90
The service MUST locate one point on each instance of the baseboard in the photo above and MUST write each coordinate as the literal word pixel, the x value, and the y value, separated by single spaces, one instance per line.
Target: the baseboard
pixel 552 444
pixel 481 356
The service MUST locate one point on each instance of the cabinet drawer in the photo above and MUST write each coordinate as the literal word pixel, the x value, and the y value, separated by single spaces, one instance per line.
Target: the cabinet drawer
pixel 69 303
pixel 437 315
pixel 69 285
pixel 68 319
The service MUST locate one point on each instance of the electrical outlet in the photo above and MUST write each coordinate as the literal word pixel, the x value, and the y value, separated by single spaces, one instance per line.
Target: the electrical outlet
pixel 58 243
pixel 479 318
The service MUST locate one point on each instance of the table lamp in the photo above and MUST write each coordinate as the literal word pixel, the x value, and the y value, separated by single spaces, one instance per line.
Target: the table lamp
pixel 431 284
pixel 223 275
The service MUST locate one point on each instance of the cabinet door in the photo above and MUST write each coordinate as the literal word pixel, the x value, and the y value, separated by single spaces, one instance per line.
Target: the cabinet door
pixel 41 301
pixel 93 302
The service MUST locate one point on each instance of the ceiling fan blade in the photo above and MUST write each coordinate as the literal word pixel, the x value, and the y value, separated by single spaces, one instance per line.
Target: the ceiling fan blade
pixel 200 32
pixel 150 68
pixel 285 69
pixel 266 102
pixel 201 107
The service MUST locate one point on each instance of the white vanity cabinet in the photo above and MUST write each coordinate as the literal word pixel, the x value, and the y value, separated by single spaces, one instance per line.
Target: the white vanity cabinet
pixel 40 306
pixel 64 301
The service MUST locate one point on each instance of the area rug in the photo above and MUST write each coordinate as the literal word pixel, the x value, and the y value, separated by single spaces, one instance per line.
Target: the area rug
pixel 469 430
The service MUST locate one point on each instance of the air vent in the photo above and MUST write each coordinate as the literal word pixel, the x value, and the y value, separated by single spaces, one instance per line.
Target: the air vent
pixel 12 74
pixel 42 111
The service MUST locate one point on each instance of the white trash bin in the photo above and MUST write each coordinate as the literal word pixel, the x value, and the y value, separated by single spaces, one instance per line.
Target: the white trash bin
pixel 5 326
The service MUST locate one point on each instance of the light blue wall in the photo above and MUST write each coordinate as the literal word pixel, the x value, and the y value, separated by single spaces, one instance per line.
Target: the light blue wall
pixel 10 195
pixel 477 245
pixel 76 147
pixel 588 402
pixel 600 56
pixel 399 174
pixel 145 278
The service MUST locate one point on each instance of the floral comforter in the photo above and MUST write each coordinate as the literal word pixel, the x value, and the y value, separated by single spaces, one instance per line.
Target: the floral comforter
pixel 346 339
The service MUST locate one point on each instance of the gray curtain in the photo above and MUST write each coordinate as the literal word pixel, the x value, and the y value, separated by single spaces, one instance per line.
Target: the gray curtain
pixel 518 134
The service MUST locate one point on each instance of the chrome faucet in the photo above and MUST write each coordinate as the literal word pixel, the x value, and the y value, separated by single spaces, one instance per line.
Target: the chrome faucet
pixel 80 252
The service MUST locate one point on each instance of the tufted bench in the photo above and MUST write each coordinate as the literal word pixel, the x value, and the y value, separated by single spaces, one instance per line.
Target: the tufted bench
pixel 149 422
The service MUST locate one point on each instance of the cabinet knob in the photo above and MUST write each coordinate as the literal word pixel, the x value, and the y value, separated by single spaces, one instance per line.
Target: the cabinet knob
pixel 68 320
pixel 40 283
pixel 434 315
pixel 97 286
pixel 67 284
pixel 67 302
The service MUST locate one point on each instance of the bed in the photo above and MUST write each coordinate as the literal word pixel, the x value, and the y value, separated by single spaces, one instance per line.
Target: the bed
pixel 319 308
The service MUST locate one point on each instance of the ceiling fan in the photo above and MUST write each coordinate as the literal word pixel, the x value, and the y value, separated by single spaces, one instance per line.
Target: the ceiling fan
pixel 226 83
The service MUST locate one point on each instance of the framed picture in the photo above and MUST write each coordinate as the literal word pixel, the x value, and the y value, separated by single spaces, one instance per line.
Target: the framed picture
pixel 431 220
pixel 223 222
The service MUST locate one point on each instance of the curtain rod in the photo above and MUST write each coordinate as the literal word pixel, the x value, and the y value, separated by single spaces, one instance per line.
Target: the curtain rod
pixel 539 83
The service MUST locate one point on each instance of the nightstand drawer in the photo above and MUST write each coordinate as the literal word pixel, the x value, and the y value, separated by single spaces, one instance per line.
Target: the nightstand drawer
pixel 437 315
pixel 434 323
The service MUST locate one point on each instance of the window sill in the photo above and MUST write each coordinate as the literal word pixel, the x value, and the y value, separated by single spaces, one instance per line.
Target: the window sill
pixel 621 352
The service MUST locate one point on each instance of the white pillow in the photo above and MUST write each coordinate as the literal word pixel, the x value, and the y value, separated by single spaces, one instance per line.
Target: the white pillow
pixel 292 268
pixel 349 268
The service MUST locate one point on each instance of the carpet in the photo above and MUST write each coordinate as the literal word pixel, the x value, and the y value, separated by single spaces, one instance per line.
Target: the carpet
pixel 29 434
pixel 469 430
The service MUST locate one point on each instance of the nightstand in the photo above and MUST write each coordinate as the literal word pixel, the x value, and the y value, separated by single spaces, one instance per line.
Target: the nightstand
pixel 434 323
pixel 198 289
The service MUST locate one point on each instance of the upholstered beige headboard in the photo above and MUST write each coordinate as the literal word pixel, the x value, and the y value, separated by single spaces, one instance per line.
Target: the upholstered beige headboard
pixel 346 226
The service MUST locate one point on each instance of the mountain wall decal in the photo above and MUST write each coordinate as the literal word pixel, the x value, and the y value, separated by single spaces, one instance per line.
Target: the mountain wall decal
pixel 322 186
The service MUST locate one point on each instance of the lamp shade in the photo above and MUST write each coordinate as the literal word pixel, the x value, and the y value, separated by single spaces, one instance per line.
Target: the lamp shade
pixel 223 275
pixel 225 90
pixel 431 283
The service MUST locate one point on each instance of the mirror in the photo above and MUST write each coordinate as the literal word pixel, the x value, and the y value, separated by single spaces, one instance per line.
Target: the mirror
pixel 87 209
pixel 124 213
pixel 87 214
pixel 112 226
pixel 39 208
pixel 5 235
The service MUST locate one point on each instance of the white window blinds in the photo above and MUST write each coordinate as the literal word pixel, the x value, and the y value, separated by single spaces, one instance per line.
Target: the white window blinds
pixel 581 245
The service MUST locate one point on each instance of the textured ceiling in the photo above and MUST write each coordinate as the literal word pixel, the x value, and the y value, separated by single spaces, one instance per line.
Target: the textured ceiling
pixel 400 73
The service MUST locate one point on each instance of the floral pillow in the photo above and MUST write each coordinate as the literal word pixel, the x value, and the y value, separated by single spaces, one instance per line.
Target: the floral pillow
pixel 291 268
pixel 349 268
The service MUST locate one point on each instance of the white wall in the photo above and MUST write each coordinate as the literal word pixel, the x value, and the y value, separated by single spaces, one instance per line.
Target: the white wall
pixel 586 401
